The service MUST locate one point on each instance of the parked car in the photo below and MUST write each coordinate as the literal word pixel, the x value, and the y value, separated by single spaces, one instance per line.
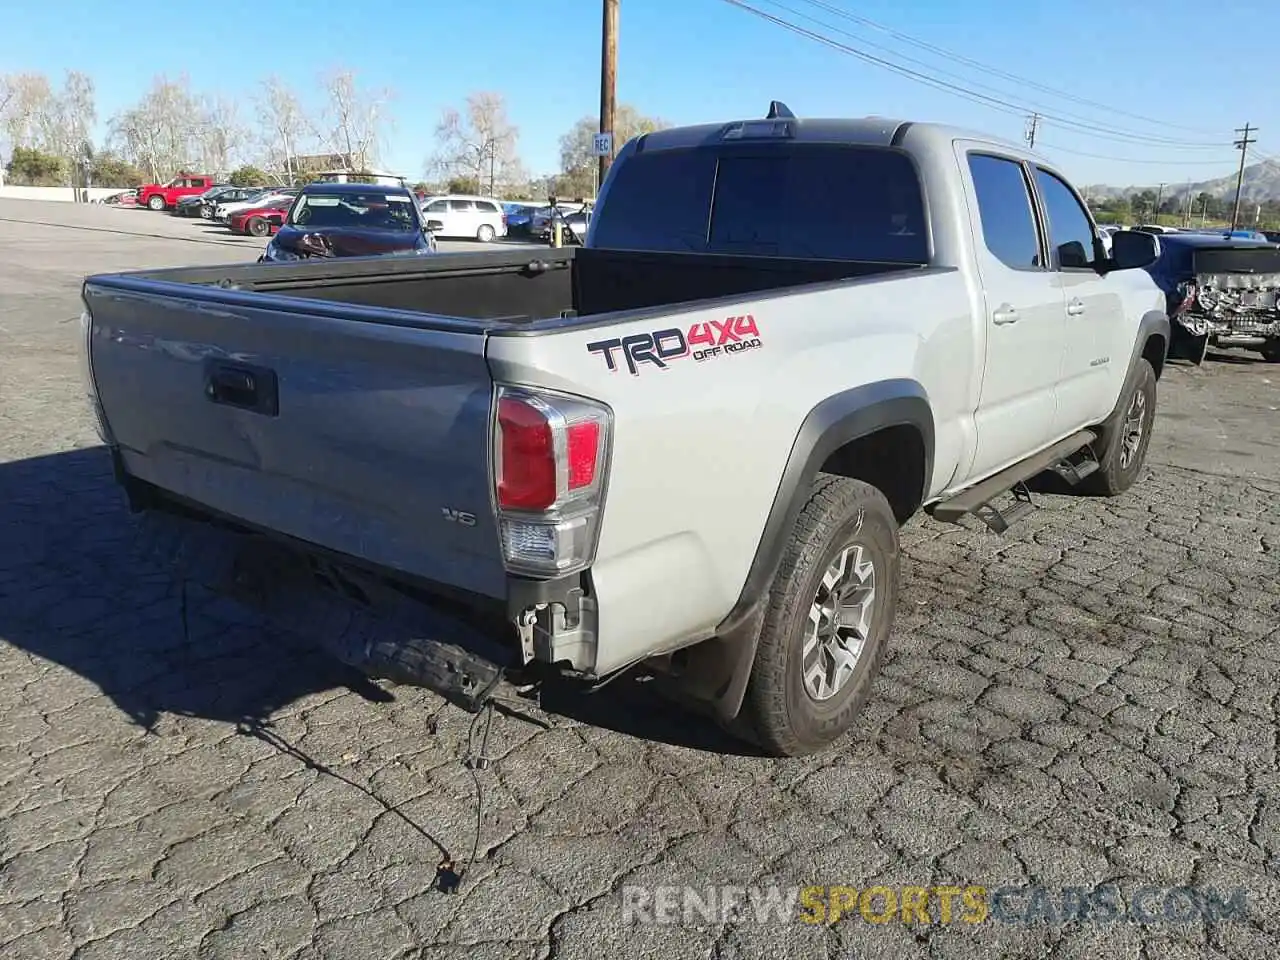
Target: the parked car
pixel 571 460
pixel 1220 291
pixel 1105 232
pixel 222 212
pixel 540 221
pixel 259 221
pixel 157 196
pixel 208 205
pixel 193 205
pixel 467 217
pixel 1273 236
pixel 350 220
pixel 573 225
pixel 519 214
pixel 125 198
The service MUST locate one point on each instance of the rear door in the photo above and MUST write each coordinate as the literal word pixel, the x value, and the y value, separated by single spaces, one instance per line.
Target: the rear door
pixel 308 419
pixel 1025 312
pixel 462 218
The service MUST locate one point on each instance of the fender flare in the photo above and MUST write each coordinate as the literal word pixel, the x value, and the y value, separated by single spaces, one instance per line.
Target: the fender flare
pixel 1153 323
pixel 837 420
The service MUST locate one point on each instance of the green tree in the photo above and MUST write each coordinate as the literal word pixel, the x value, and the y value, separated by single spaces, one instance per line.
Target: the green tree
pixel 249 176
pixel 109 170
pixel 29 167
pixel 463 185
pixel 1143 204
pixel 578 162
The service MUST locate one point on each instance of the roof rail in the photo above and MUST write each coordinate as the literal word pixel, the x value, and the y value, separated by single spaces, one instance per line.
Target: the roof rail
pixel 779 111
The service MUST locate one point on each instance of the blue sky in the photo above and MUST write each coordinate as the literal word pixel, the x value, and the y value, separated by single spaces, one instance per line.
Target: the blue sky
pixel 697 60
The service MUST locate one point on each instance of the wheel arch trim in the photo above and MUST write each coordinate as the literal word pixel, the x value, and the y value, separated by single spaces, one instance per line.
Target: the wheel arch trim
pixel 838 420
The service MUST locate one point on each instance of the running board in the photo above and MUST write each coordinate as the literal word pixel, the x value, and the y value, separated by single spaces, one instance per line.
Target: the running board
pixel 977 500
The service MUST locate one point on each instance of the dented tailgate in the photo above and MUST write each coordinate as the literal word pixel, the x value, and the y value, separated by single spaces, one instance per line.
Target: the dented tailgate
pixel 365 438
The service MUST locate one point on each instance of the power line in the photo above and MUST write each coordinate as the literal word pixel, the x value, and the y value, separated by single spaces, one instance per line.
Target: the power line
pixel 996 71
pixel 995 103
pixel 1064 117
pixel 1112 159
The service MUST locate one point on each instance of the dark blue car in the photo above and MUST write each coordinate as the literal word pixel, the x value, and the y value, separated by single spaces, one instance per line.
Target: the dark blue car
pixel 1220 291
pixel 351 220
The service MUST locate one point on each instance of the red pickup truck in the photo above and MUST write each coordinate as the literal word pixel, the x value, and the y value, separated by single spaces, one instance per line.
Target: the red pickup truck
pixel 157 196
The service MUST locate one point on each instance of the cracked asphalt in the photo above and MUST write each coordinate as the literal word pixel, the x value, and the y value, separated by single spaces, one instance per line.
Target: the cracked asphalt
pixel 1089 700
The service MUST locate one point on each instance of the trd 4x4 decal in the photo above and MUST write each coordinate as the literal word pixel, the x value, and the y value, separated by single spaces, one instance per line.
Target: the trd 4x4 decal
pixel 702 341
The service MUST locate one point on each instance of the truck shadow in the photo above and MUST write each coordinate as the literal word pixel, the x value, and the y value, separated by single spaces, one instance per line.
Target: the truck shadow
pixel 76 590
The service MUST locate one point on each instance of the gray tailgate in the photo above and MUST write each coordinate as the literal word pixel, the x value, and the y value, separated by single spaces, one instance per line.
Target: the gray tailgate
pixel 350 434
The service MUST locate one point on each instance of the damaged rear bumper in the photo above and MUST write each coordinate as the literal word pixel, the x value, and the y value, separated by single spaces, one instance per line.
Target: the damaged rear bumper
pixel 356 617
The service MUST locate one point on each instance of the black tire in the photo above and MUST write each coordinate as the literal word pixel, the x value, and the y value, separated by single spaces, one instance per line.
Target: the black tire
pixel 1117 470
pixel 1271 351
pixel 256 227
pixel 783 716
pixel 486 233
pixel 155 202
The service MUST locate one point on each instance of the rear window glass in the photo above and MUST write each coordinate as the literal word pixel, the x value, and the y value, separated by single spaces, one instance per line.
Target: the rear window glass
pixel 369 211
pixel 824 201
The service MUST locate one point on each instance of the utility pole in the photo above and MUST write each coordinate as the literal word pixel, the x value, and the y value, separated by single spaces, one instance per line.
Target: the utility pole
pixel 1243 146
pixel 1033 125
pixel 608 82
pixel 1186 207
pixel 1155 217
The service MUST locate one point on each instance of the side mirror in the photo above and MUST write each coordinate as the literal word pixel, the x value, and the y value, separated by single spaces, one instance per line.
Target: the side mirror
pixel 434 226
pixel 1132 250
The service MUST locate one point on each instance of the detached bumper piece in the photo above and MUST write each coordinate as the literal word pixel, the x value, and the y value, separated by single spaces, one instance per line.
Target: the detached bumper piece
pixel 357 618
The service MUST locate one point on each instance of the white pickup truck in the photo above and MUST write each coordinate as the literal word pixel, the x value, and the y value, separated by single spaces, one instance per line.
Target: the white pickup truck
pixel 686 446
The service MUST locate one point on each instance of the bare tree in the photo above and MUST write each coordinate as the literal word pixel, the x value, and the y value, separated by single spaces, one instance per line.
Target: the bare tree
pixel 355 120
pixel 221 134
pixel 577 158
pixel 65 122
pixel 161 134
pixel 479 145
pixel 283 124
pixel 27 98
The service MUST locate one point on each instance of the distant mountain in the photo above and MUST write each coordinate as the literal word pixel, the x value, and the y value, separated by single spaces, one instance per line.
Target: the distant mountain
pixel 1261 183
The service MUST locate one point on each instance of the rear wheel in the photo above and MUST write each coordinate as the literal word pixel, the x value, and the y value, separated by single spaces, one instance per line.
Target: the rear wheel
pixel 256 227
pixel 829 614
pixel 486 233
pixel 155 202
pixel 1126 437
pixel 1271 351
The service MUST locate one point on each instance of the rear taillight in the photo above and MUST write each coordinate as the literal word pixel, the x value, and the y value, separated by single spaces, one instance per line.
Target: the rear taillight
pixel 550 459
pixel 1187 295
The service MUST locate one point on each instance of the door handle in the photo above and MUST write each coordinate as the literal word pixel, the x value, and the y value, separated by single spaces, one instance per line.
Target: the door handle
pixel 1004 314
pixel 242 385
pixel 1075 307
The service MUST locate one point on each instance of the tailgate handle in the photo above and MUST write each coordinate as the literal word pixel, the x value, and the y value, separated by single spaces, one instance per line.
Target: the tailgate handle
pixel 242 385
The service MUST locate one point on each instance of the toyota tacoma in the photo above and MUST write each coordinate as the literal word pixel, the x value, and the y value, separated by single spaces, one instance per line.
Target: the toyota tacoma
pixel 686 446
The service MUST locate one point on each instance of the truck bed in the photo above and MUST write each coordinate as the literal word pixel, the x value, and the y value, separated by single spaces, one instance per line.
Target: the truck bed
pixel 349 405
pixel 520 286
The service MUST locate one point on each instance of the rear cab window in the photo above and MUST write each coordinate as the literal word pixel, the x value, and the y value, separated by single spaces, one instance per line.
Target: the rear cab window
pixel 804 200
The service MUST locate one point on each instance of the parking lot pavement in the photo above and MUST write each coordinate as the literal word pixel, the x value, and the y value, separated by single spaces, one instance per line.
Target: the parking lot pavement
pixel 1090 699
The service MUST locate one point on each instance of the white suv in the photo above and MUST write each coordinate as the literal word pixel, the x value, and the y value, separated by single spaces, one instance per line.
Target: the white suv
pixel 480 218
